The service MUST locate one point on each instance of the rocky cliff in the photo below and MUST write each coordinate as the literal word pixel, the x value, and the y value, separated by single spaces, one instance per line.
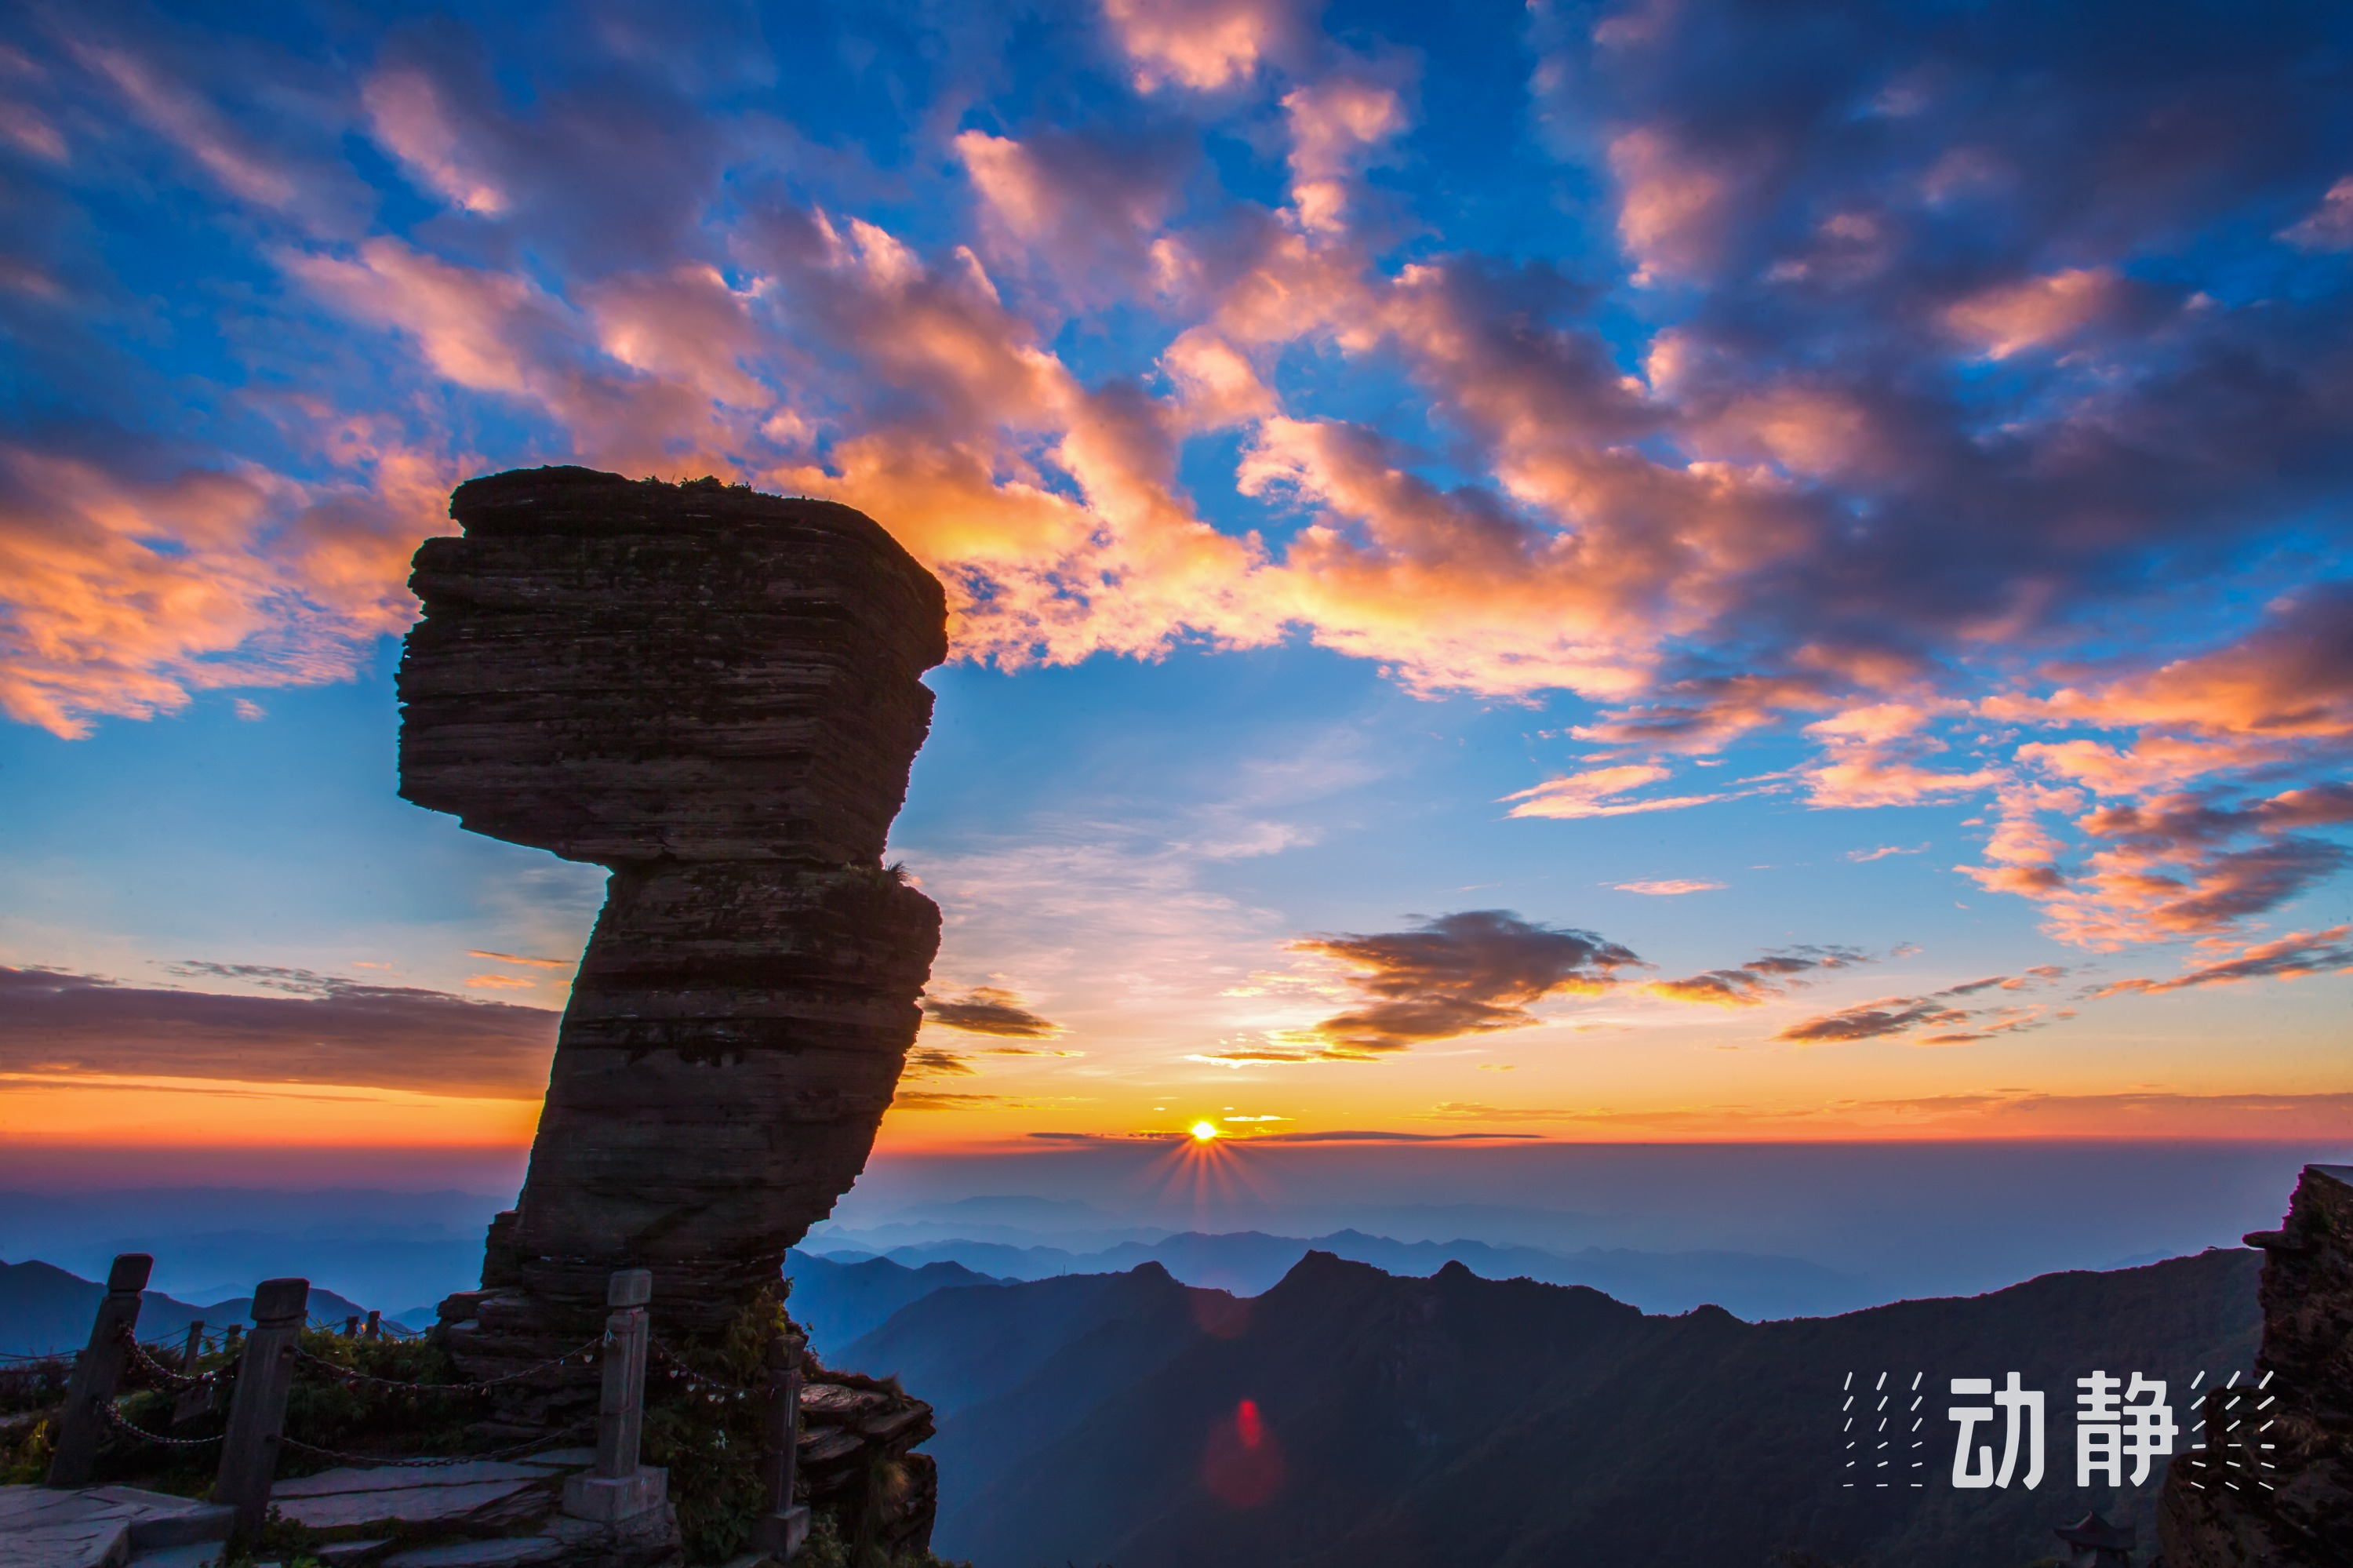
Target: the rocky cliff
pixel 715 693
pixel 2273 1486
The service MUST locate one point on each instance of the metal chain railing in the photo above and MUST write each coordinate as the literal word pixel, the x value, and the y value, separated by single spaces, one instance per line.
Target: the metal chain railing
pixel 343 1373
pixel 166 1375
pixel 713 1389
pixel 114 1418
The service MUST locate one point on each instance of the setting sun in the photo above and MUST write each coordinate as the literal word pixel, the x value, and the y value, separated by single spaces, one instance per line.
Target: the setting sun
pixel 1204 1131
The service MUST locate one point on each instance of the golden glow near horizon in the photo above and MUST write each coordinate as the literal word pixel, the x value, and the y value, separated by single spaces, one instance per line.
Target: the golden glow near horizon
pixel 1204 1131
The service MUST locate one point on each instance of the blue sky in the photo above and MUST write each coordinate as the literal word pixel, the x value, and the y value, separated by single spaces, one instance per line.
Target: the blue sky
pixel 1699 569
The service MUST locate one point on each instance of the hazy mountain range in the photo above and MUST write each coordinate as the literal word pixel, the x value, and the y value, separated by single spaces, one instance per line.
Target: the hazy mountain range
pixel 1748 1284
pixel 44 1311
pixel 1348 1418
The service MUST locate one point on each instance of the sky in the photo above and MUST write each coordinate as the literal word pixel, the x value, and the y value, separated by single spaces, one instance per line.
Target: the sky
pixel 1692 571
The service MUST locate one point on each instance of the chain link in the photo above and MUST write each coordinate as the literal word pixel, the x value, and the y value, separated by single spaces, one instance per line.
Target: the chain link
pixel 114 1419
pixel 696 1381
pixel 165 1374
pixel 352 1374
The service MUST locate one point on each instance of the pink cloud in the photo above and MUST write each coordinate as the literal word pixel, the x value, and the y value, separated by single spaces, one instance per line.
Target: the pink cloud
pixel 2005 321
pixel 1599 791
pixel 1203 45
pixel 2297 954
pixel 407 115
pixel 1336 125
pixel 2329 226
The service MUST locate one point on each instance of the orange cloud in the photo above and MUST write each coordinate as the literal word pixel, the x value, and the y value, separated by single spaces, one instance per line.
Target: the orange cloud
pixel 2297 954
pixel 123 594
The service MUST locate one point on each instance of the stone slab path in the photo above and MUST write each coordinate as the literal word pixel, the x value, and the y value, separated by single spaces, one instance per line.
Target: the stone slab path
pixel 104 1527
pixel 362 1508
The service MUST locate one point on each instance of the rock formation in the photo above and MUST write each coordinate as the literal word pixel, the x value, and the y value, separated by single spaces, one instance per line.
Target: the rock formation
pixel 2238 1503
pixel 715 693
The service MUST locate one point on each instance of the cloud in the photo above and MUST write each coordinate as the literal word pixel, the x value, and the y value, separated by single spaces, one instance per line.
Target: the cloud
pixel 319 1029
pixel 1471 1110
pixel 407 114
pixel 2175 865
pixel 937 1100
pixel 1882 852
pixel 1599 791
pixel 1904 1015
pixel 1468 974
pixel 1758 980
pixel 125 585
pixel 1203 45
pixel 2329 226
pixel 196 127
pixel 2290 957
pixel 2013 317
pixel 1909 423
pixel 519 959
pixel 1872 1020
pixel 1338 124
pixel 989 1010
pixel 1669 888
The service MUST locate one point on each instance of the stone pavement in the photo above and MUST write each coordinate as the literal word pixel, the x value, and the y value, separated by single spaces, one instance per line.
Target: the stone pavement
pixel 105 1527
pixel 484 1513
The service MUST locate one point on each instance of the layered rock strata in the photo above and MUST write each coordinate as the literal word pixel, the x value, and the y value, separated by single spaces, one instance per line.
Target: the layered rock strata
pixel 715 693
pixel 2273 1486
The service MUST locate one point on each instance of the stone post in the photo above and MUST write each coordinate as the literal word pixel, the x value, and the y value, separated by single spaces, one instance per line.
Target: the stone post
pixel 619 1487
pixel 781 1530
pixel 374 1330
pixel 257 1412
pixel 204 1398
pixel 97 1371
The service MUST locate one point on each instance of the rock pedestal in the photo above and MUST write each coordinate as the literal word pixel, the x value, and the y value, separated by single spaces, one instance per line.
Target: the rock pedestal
pixel 715 693
pixel 2273 1486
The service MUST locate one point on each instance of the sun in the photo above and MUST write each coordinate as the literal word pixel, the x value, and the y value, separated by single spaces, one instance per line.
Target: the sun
pixel 1204 1131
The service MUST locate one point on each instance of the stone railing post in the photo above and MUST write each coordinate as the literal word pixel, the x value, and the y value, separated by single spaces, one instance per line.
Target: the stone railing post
pixel 98 1370
pixel 620 1487
pixel 780 1530
pixel 257 1411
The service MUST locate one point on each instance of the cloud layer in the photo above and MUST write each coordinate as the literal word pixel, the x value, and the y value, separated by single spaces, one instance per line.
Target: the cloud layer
pixel 319 1029
pixel 1880 397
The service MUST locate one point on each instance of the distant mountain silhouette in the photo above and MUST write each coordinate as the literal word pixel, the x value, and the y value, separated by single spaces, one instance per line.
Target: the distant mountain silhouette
pixel 1749 1285
pixel 837 1301
pixel 1348 1418
pixel 44 1311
